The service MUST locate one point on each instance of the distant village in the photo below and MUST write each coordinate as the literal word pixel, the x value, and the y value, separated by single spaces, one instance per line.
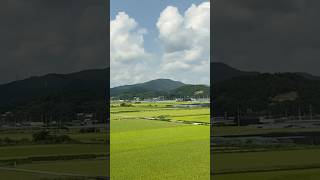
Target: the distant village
pixel 10 120
pixel 306 119
pixel 164 99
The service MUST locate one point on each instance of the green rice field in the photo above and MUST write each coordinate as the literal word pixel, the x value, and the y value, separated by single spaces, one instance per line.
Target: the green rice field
pixel 147 148
pixel 299 162
pixel 88 157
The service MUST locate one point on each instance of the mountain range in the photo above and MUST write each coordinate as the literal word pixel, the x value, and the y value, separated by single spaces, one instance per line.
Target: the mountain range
pixel 169 88
pixel 159 87
pixel 266 93
pixel 221 72
pixel 91 87
pixel 75 88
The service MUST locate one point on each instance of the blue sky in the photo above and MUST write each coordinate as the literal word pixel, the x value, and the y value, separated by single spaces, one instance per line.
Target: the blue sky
pixel 147 12
pixel 159 39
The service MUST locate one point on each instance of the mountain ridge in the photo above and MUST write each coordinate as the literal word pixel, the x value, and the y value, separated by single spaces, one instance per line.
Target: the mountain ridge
pixel 220 72
pixel 87 84
pixel 160 84
pixel 156 88
pixel 93 85
pixel 267 93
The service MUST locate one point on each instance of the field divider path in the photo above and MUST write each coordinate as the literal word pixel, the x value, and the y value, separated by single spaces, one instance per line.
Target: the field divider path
pixel 293 168
pixel 149 110
pixel 169 120
pixel 51 173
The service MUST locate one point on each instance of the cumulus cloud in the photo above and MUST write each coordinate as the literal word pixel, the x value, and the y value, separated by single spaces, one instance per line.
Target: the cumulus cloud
pixel 186 42
pixel 126 39
pixel 127 53
pixel 185 39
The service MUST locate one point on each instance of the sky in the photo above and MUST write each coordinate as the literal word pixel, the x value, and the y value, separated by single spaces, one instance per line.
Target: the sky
pixel 60 36
pixel 54 36
pixel 267 35
pixel 162 39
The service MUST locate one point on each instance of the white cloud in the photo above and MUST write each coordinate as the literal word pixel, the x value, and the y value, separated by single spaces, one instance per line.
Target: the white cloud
pixel 127 53
pixel 186 42
pixel 185 39
pixel 172 33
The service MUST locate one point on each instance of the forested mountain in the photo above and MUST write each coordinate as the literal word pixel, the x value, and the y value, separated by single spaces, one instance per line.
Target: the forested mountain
pixel 277 93
pixel 159 87
pixel 191 91
pixel 221 72
pixel 151 88
pixel 89 91
pixel 57 94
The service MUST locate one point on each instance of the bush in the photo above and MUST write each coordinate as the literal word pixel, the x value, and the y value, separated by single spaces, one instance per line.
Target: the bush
pixel 162 117
pixel 9 142
pixel 125 105
pixel 41 136
pixel 45 137
pixel 89 130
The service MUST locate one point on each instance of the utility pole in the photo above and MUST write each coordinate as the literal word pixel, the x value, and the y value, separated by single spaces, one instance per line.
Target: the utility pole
pixel 310 111
pixel 238 114
pixel 225 115
pixel 286 114
pixel 299 112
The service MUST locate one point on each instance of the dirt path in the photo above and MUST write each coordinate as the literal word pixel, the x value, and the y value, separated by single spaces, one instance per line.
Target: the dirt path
pixel 54 173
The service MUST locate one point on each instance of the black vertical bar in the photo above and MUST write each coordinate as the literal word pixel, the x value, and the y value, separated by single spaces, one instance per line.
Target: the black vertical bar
pixel 107 6
pixel 211 88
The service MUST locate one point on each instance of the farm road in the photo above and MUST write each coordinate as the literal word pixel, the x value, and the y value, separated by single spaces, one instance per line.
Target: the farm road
pixel 54 173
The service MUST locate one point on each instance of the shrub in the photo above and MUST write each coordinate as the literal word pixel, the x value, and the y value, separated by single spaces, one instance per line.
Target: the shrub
pixel 89 130
pixel 125 105
pixel 45 137
pixel 9 142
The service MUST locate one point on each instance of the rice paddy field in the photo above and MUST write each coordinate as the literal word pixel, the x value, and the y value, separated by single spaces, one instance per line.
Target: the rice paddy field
pixel 298 162
pixel 156 140
pixel 88 158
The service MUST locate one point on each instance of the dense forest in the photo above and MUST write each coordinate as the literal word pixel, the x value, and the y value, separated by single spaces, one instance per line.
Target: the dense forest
pixel 160 88
pixel 276 94
pixel 57 96
pixel 61 96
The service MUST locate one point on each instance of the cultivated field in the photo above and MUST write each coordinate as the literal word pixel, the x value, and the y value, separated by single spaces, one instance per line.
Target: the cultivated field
pixel 159 141
pixel 86 157
pixel 264 161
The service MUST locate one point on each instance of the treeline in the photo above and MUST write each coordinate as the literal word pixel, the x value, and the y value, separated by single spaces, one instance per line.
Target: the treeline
pixel 196 91
pixel 47 110
pixel 41 137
